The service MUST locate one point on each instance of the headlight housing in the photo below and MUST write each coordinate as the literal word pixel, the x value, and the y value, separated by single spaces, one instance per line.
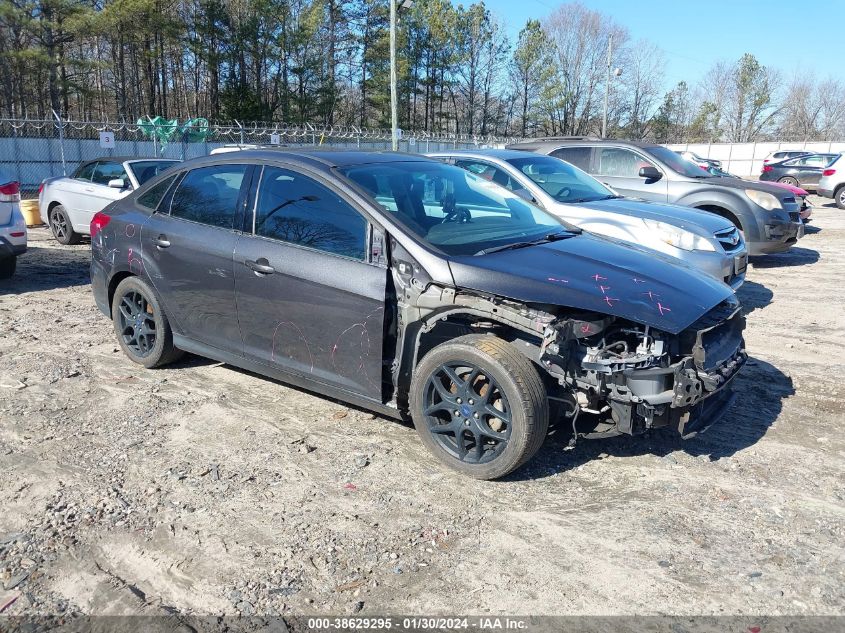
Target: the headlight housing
pixel 678 237
pixel 764 199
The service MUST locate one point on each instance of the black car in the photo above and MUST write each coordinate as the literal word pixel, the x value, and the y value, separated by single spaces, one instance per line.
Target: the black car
pixel 804 171
pixel 768 216
pixel 411 287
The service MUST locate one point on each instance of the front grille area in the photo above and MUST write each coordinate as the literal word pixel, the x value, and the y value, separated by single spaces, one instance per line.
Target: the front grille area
pixel 788 200
pixel 730 239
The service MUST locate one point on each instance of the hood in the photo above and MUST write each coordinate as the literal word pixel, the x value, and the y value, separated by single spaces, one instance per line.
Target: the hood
pixel 599 274
pixel 694 220
pixel 738 183
pixel 798 191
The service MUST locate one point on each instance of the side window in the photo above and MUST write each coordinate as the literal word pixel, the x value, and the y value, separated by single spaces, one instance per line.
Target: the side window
pixel 209 195
pixel 85 172
pixel 153 196
pixel 108 171
pixel 620 162
pixel 296 209
pixel 578 156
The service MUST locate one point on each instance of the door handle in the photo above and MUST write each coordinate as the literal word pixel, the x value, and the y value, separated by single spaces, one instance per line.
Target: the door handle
pixel 161 241
pixel 260 266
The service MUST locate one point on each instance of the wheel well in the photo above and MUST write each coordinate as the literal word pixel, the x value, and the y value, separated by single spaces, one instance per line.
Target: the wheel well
pixel 712 208
pixel 52 205
pixel 838 188
pixel 115 280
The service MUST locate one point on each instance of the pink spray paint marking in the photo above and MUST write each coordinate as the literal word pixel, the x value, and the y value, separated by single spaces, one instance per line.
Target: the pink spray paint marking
pixel 130 230
pixel 662 308
pixel 563 281
pixel 609 300
pixel 598 277
pixel 638 281
pixel 651 295
pixel 604 289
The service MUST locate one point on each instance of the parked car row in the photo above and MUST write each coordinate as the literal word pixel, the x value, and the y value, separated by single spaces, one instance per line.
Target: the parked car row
pixel 479 293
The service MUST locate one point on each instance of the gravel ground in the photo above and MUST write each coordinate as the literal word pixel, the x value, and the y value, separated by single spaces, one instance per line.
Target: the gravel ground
pixel 209 490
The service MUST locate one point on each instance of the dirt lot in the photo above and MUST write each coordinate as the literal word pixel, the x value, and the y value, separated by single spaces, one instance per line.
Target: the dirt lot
pixel 214 491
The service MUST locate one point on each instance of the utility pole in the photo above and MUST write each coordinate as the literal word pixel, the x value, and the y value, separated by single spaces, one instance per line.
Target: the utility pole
pixel 394 109
pixel 607 86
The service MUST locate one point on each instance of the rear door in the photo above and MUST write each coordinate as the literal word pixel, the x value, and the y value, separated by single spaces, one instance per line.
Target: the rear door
pixel 619 168
pixel 188 246
pixel 808 169
pixel 310 299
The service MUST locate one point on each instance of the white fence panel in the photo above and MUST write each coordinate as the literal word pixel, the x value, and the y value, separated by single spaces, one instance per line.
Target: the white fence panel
pixel 746 159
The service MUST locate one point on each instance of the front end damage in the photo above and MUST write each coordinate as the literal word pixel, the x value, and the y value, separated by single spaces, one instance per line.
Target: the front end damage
pixel 631 377
pixel 643 378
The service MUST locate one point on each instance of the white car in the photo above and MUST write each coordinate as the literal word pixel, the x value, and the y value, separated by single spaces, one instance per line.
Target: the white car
pixel 784 154
pixel 68 203
pixel 12 225
pixel 832 182
pixel 704 163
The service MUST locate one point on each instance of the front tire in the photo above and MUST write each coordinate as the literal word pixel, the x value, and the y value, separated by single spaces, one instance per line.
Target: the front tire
pixel 479 406
pixel 61 227
pixel 141 325
pixel 8 266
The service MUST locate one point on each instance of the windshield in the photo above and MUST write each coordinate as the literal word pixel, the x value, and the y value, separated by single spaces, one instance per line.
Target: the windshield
pixel 677 162
pixel 146 169
pixel 452 209
pixel 562 181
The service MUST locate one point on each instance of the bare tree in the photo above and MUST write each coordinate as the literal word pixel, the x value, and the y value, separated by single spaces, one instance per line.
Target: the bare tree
pixel 642 78
pixel 580 37
pixel 812 109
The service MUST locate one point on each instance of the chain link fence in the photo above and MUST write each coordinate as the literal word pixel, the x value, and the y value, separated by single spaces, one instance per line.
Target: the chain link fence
pixel 32 150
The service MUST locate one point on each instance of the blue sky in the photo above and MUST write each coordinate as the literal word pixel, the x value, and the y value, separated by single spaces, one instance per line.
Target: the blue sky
pixel 793 36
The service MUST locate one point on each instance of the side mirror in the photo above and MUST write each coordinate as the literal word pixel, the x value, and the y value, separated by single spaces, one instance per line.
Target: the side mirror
pixel 117 183
pixel 650 173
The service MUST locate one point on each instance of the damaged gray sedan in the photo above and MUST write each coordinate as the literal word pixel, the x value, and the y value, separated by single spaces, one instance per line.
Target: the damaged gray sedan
pixel 414 288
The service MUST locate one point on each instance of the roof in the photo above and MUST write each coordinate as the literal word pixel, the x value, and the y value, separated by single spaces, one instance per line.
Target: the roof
pixel 124 159
pixel 548 143
pixel 502 154
pixel 329 157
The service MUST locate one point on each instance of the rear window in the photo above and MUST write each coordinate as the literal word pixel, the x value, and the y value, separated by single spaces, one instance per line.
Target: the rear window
pixel 84 172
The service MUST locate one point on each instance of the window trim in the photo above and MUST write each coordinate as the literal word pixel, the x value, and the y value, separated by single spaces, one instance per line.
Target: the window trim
pixel 370 223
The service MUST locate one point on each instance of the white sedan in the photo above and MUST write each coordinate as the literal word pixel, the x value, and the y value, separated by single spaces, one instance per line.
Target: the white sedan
pixel 68 203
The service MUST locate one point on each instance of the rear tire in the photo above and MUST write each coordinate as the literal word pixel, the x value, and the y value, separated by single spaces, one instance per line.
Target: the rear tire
pixel 141 325
pixel 8 266
pixel 61 227
pixel 788 180
pixel 479 406
pixel 839 197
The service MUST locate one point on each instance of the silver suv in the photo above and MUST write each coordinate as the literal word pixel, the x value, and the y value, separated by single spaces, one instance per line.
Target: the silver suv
pixel 768 216
pixel 832 182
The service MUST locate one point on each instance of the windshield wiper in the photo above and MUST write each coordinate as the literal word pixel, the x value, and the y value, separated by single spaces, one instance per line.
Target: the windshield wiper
pixel 577 200
pixel 551 237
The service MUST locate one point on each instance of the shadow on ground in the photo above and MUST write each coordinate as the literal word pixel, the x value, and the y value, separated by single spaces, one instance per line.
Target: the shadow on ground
pixel 45 268
pixel 754 296
pixel 761 389
pixel 795 256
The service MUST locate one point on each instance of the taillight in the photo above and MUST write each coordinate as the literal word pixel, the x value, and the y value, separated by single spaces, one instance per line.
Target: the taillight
pixel 828 172
pixel 40 188
pixel 767 168
pixel 98 223
pixel 10 192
